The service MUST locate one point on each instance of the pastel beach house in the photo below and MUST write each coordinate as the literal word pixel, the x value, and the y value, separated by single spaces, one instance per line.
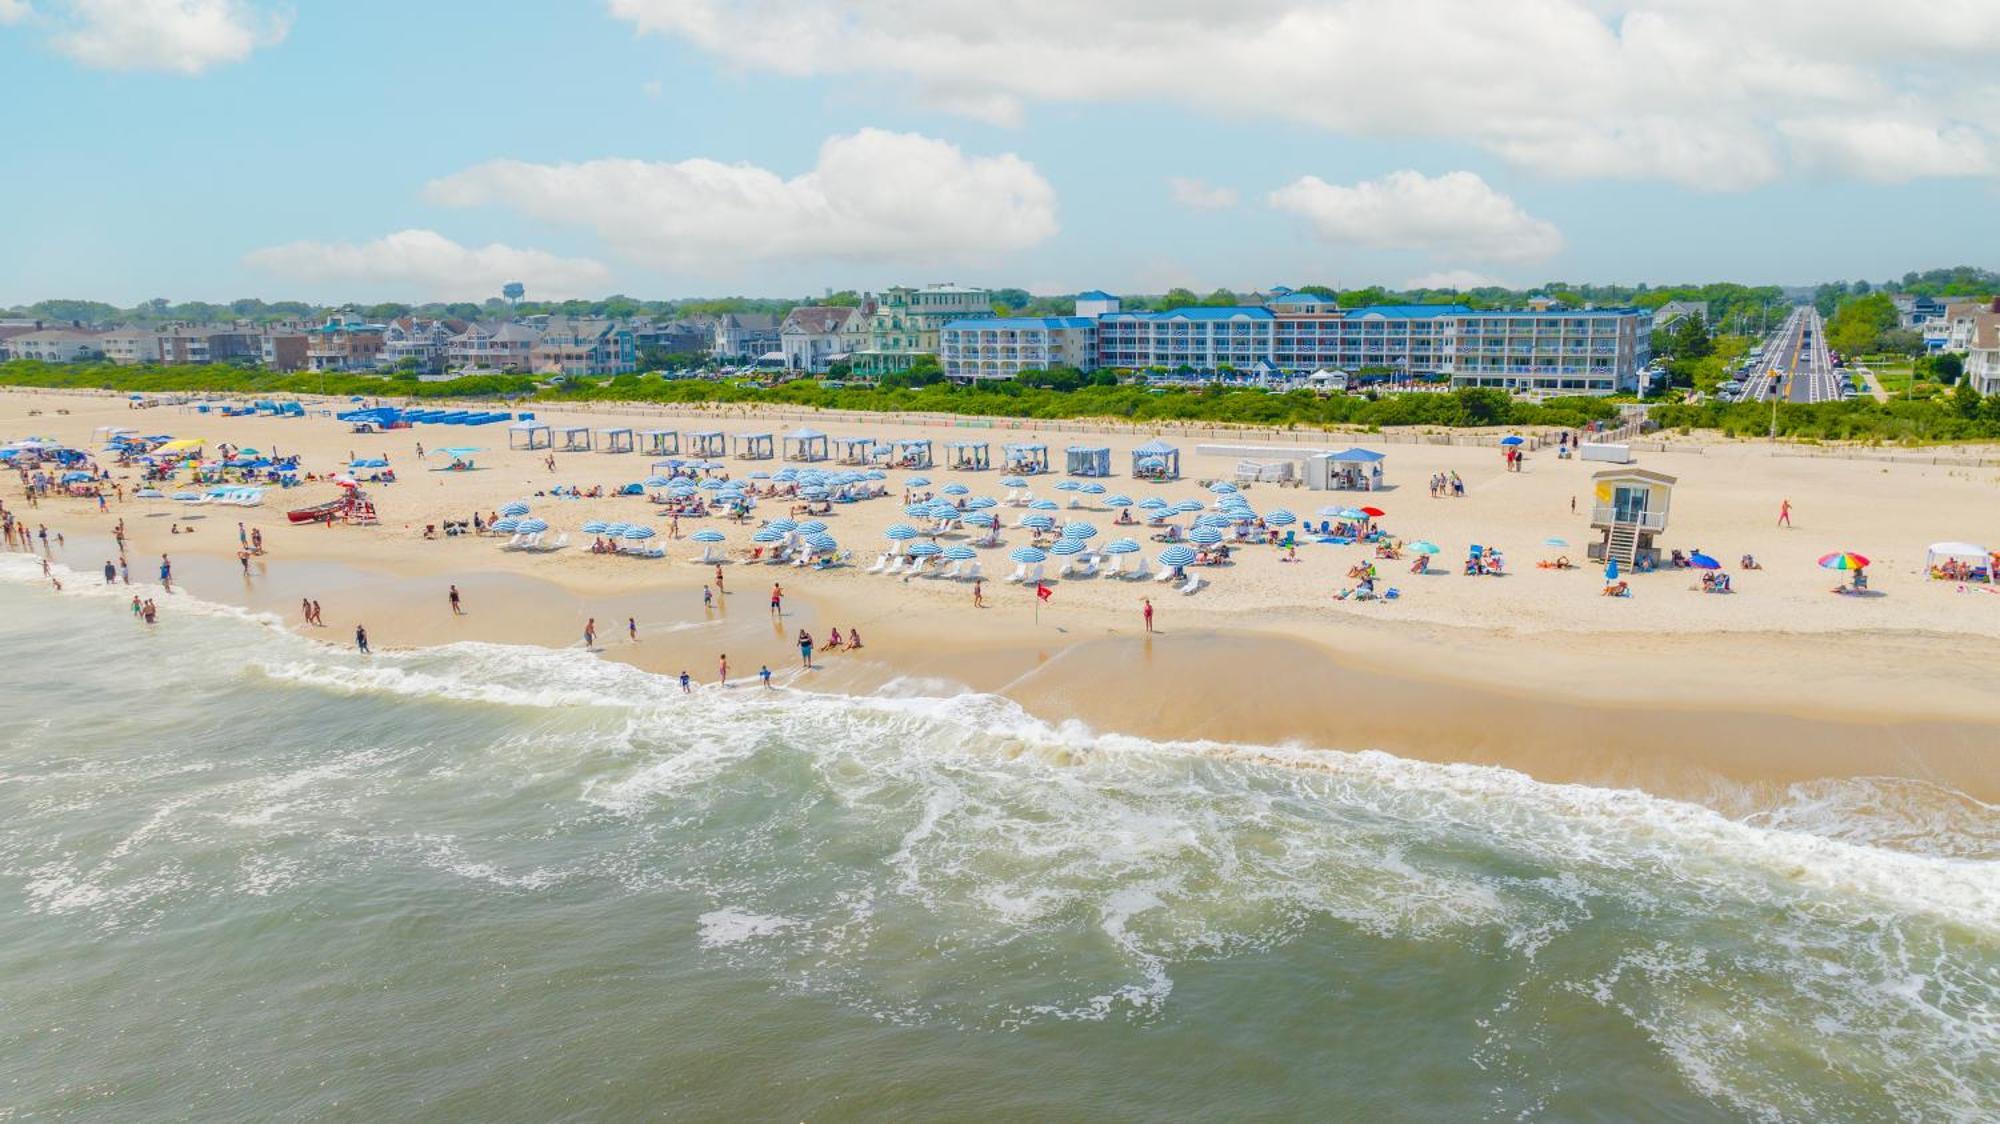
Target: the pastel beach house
pixel 1629 513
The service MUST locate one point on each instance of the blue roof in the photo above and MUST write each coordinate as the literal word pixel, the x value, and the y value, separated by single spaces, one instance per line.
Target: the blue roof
pixel 1024 322
pixel 1095 295
pixel 1303 298
pixel 1410 311
pixel 1228 313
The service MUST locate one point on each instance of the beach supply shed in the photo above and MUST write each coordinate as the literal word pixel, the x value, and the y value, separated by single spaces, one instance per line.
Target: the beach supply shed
pixel 913 452
pixel 662 442
pixel 707 443
pixel 971 456
pixel 614 439
pixel 807 444
pixel 1087 460
pixel 1347 470
pixel 854 450
pixel 529 435
pixel 1629 512
pixel 576 438
pixel 1029 458
pixel 755 446
pixel 1156 460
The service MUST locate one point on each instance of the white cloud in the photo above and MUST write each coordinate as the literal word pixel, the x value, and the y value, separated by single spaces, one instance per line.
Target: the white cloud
pixel 14 11
pixel 1886 150
pixel 178 36
pixel 873 196
pixel 1692 91
pixel 1455 215
pixel 1453 279
pixel 426 265
pixel 1199 195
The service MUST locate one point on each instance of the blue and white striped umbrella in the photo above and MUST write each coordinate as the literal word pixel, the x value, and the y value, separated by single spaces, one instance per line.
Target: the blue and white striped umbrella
pixel 1067 486
pixel 981 503
pixel 1222 488
pixel 1118 501
pixel 1013 482
pixel 959 552
pixel 1154 503
pixel 681 489
pixel 1212 519
pixel 821 541
pixel 956 489
pixel 517 508
pixel 1029 556
pixel 810 527
pixel 533 525
pixel 941 509
pixel 594 527
pixel 1092 489
pixel 1204 536
pixel 1044 505
pixel 760 476
pixel 1037 522
pixel 1066 546
pixel 925 550
pixel 638 534
pixel 876 473
pixel 658 481
pixel 766 536
pixel 1281 518
pixel 978 519
pixel 918 510
pixel 901 532
pixel 506 526
pixel 917 482
pixel 782 526
pixel 709 536
pixel 1176 556
pixel 1079 531
pixel 1121 546
pixel 1186 506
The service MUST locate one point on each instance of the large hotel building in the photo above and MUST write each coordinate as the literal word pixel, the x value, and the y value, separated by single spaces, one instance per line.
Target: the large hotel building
pixel 1539 351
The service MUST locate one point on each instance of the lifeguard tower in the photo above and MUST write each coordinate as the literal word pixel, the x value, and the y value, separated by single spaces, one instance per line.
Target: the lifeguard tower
pixel 1629 512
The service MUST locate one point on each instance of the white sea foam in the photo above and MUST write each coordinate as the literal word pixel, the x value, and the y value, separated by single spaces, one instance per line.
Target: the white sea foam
pixel 721 928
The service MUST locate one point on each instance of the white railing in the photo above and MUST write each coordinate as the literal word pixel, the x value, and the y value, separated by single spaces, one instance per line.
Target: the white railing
pixel 1606 515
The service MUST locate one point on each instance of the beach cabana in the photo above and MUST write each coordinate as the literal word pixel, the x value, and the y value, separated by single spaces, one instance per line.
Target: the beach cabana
pixel 529 435
pixel 576 439
pixel 970 456
pixel 662 442
pixel 1028 458
pixel 1087 460
pixel 1976 560
pixel 1346 470
pixel 708 443
pixel 854 450
pixel 1156 460
pixel 755 446
pixel 807 444
pixel 614 439
pixel 914 452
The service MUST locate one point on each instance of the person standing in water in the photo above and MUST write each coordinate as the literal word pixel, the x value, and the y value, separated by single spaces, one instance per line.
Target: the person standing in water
pixel 777 600
pixel 722 672
pixel 1148 602
pixel 632 628
pixel 457 607
pixel 110 573
pixel 590 633
pixel 361 638
pixel 166 574
pixel 764 673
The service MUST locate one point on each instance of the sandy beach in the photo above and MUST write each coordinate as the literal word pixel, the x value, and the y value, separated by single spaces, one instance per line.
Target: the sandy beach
pixel 1670 689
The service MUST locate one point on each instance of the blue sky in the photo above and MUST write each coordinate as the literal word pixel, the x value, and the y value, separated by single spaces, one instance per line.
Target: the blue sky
pixel 366 150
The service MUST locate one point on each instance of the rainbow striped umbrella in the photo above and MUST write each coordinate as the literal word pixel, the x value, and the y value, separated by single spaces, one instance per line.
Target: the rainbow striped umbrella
pixel 1843 560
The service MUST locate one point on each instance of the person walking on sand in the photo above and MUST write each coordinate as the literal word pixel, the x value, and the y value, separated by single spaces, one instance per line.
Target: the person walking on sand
pixel 590 633
pixel 1148 611
pixel 722 669
pixel 1784 513
pixel 361 638
pixel 805 649
pixel 718 580
pixel 306 609
pixel 632 628
pixel 777 600
pixel 457 607
pixel 978 593
pixel 707 597
pixel 318 620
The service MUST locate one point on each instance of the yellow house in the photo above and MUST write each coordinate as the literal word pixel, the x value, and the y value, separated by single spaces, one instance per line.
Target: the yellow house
pixel 1629 511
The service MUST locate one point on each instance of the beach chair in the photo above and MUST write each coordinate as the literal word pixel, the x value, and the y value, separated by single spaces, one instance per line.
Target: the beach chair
pixel 1166 574
pixel 1088 568
pixel 881 563
pixel 1020 573
pixel 895 565
pixel 1193 583
pixel 562 540
pixel 1063 570
pixel 951 571
pixel 971 570
pixel 916 567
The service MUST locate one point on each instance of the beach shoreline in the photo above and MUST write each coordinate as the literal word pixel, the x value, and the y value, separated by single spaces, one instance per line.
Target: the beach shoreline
pixel 1679 700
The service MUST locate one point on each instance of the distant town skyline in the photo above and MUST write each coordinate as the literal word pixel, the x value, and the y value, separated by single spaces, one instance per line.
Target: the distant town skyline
pixel 668 149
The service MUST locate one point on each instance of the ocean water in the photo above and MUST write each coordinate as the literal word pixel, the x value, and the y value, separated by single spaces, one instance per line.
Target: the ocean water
pixel 247 876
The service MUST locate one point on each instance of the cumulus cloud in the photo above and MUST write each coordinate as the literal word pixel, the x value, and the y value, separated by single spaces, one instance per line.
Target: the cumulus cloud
pixel 427 265
pixel 1889 150
pixel 1455 215
pixel 1460 279
pixel 1199 195
pixel 14 11
pixel 1691 91
pixel 872 196
pixel 177 36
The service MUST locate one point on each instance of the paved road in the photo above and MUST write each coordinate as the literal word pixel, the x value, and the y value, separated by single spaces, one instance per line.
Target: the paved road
pixel 1797 365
